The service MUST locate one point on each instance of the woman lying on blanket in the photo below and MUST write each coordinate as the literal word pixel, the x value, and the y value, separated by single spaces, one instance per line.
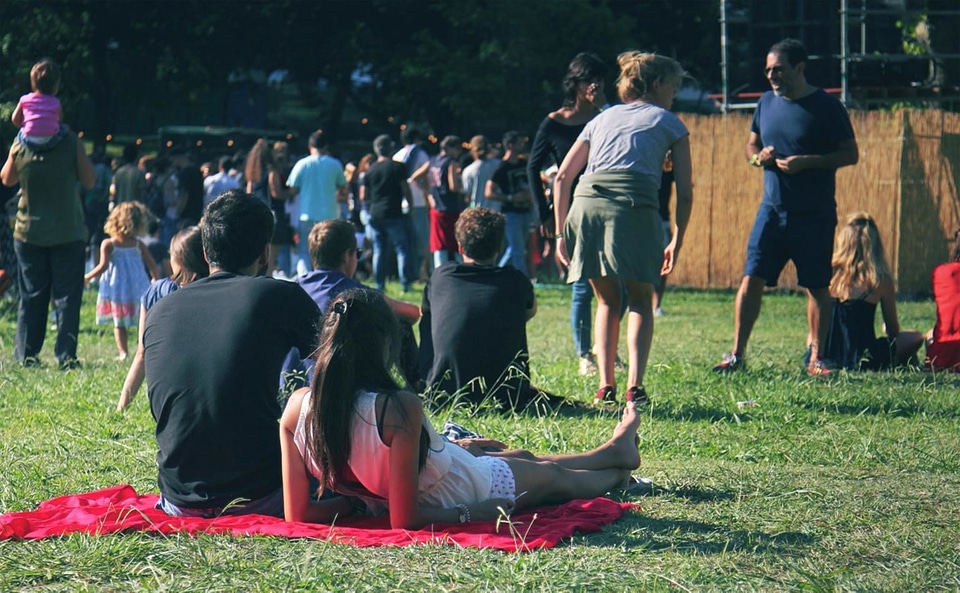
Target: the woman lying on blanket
pixel 359 434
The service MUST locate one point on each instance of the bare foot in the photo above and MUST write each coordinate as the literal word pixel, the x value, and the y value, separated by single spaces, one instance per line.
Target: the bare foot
pixel 624 441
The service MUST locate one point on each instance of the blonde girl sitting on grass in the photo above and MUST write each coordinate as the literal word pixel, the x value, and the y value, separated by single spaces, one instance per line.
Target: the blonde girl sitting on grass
pixel 123 278
pixel 861 280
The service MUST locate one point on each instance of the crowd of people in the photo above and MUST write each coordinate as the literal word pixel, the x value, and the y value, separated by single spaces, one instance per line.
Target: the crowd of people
pixel 241 275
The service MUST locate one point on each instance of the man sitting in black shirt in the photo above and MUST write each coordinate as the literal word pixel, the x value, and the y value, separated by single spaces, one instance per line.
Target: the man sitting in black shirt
pixel 473 333
pixel 213 352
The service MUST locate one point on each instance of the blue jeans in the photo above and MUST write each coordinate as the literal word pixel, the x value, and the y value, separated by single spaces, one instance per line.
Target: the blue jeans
pixel 284 258
pixel 421 234
pixel 518 232
pixel 395 232
pixel 303 247
pixel 271 504
pixel 581 318
pixel 46 273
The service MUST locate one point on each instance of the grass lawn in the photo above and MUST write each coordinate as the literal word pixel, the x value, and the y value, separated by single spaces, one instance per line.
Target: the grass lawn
pixel 852 483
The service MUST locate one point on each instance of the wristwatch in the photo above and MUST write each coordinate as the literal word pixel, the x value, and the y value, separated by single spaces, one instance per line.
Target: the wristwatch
pixel 463 513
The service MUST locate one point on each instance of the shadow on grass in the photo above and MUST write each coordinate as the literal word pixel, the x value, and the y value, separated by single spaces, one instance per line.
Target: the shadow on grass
pixel 695 414
pixel 702 539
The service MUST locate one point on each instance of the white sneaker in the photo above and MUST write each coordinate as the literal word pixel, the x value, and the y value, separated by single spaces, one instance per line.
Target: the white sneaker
pixel 588 367
pixel 302 268
pixel 658 312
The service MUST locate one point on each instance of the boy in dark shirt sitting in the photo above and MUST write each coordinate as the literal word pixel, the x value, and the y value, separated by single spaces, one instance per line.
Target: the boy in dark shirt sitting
pixel 473 332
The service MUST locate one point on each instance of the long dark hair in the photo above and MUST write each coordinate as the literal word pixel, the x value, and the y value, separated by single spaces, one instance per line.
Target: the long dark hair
pixel 584 66
pixel 359 348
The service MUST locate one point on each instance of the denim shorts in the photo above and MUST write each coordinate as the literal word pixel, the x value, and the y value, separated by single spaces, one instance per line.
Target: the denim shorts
pixel 806 238
pixel 271 504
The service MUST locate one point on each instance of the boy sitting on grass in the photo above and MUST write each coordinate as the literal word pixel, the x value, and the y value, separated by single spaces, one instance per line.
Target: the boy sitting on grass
pixel 473 334
pixel 333 255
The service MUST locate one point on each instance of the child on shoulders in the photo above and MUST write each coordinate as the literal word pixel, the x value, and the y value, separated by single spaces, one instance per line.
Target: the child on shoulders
pixel 38 113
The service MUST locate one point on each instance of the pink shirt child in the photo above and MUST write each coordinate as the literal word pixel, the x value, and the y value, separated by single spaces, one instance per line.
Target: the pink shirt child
pixel 41 114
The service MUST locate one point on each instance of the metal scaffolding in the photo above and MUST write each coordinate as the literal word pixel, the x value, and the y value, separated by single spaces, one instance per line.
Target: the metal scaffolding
pixel 848 17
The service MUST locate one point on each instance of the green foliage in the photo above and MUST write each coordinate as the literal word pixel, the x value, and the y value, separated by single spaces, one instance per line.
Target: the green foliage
pixel 915 31
pixel 850 484
pixel 453 66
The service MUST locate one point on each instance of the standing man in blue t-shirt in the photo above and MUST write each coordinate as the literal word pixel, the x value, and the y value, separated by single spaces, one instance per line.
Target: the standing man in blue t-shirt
pixel 799 137
pixel 317 181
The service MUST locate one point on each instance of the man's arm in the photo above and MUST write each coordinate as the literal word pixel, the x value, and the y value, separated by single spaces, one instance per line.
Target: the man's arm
pixel 86 174
pixel 8 175
pixel 759 155
pixel 846 154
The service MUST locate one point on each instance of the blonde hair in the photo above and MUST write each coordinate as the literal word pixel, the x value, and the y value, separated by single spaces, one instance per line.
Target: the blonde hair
pixel 127 220
pixel 639 70
pixel 858 259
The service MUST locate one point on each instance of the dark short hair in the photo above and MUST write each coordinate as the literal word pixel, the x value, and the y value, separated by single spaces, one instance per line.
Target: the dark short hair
pixel 410 135
pixel 511 138
pixel 235 228
pixel 130 153
pixel 584 66
pixel 328 240
pixel 317 140
pixel 480 232
pixel 383 145
pixel 794 50
pixel 449 142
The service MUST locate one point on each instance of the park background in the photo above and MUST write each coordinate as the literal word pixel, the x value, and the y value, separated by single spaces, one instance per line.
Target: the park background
pixel 852 484
pixel 359 68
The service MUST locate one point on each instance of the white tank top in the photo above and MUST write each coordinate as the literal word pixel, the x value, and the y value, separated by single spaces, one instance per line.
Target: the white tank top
pixel 450 476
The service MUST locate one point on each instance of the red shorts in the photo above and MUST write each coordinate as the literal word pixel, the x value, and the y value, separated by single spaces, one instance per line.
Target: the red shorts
pixel 442 236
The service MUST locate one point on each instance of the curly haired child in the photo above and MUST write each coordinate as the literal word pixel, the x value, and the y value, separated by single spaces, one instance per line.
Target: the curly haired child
pixel 124 278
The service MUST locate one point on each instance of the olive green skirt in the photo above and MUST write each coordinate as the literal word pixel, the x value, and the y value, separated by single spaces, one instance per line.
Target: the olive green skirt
pixel 613 237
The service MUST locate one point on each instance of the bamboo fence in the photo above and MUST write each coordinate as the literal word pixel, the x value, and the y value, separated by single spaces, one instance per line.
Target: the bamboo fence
pixel 907 178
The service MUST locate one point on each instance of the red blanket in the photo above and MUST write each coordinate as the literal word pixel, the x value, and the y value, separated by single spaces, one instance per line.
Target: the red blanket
pixel 120 508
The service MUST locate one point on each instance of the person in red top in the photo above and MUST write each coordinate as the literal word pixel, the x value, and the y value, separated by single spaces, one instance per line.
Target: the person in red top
pixel 943 341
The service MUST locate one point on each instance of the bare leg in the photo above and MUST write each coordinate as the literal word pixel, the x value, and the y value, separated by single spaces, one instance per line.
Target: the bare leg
pixel 907 344
pixel 639 330
pixel 609 466
pixel 607 326
pixel 819 315
pixel 611 452
pixel 749 299
pixel 120 336
pixel 658 295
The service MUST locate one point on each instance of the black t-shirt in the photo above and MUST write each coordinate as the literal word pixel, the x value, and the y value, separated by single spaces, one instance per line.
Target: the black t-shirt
pixel 213 352
pixel 551 144
pixel 477 318
pixel 511 178
pixel 384 195
pixel 191 182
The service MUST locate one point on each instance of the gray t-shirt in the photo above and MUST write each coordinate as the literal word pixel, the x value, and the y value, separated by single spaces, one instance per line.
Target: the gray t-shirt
pixel 635 137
